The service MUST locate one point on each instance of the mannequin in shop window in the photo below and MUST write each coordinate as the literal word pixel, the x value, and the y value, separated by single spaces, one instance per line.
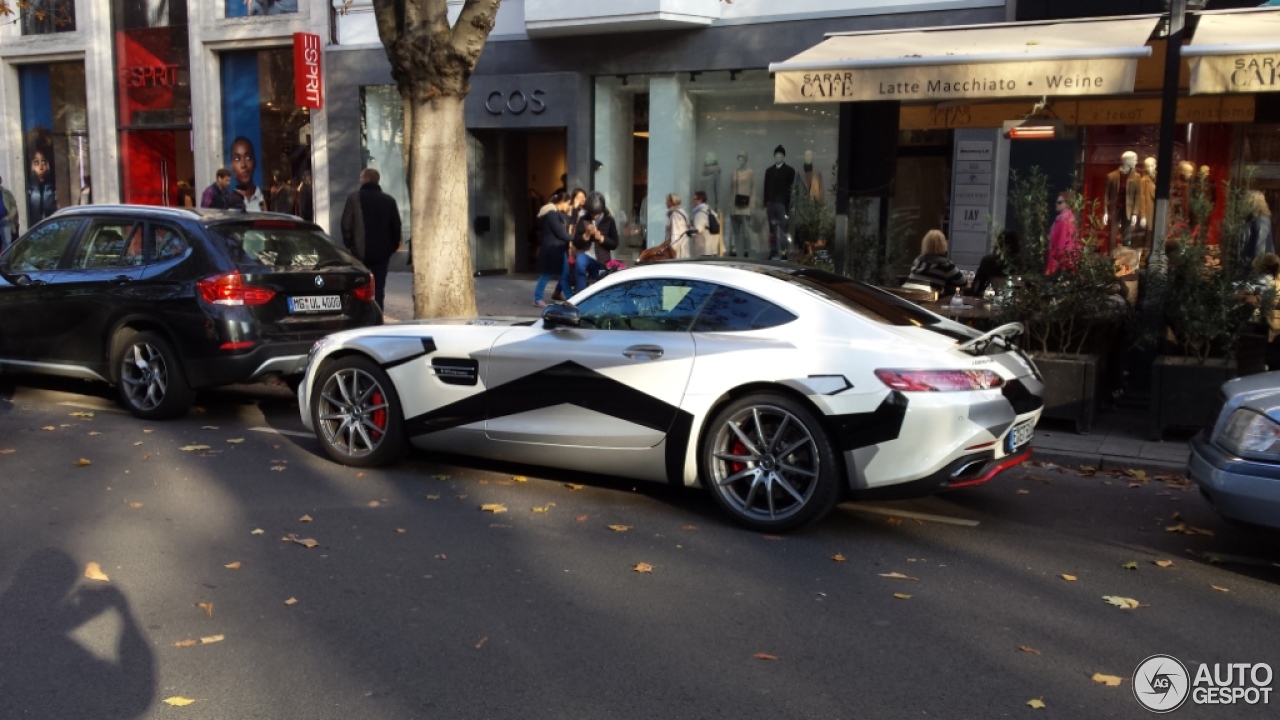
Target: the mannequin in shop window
pixel 742 189
pixel 1116 211
pixel 243 162
pixel 711 173
pixel 812 177
pixel 1142 204
pixel 778 181
pixel 1180 194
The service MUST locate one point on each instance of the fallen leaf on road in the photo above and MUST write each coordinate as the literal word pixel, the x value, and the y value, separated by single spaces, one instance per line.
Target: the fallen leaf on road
pixel 1219 588
pixel 1131 565
pixel 94 432
pixel 82 462
pixel 147 430
pixel 574 486
pixel 1123 603
pixel 519 478
pixel 1087 471
pixel 135 505
pixel 440 477
pixel 581 518
pixel 1139 475
pixel 193 448
pixel 1023 492
pixel 893 521
pixel 1028 649
pixel 432 497
pixel 838 558
pixel 542 508
pixel 49 428
pixel 1068 578
pixel 137 443
pixel 373 503
pixel 1036 703
pixel 902 596
pixel 304 542
pixel 494 508
pixel 257 531
pixel 1162 563
pixel 897 576
pixel 642 568
pixel 235 441
pixel 1108 680
pixel 291 601
pixel 483 640
pixel 764 656
pixel 7 451
pixel 208 427
pixel 399 530
pixel 232 566
pixel 1188 530
pixel 148 455
pixel 619 528
pixel 278 468
pixel 211 639
pixel 93 571
pixel 82 414
pixel 206 607
pixel 305 519
pixel 442 556
pixel 186 643
pixel 178 701
pixel 359 475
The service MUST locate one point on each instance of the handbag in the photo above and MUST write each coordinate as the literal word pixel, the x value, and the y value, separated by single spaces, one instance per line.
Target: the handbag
pixel 663 251
pixel 741 201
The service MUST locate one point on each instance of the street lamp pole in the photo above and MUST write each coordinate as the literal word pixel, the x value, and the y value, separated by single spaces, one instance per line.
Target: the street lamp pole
pixel 1168 119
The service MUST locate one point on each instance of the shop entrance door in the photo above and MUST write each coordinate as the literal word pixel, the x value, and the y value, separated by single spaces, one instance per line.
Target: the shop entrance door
pixel 512 175
pixel 153 162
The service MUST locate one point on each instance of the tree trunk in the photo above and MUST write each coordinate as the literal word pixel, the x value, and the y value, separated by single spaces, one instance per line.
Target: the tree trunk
pixel 442 269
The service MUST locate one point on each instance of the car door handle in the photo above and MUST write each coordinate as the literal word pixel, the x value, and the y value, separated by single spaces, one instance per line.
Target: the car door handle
pixel 643 352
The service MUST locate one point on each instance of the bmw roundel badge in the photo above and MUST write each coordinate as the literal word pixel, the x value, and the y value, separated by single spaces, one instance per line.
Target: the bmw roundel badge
pixel 319 281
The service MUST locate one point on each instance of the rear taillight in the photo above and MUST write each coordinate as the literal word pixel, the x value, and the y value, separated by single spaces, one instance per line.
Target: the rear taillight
pixel 229 289
pixel 365 292
pixel 939 380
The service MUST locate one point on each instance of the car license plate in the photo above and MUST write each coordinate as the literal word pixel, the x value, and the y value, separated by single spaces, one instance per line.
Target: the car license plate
pixel 1020 436
pixel 315 303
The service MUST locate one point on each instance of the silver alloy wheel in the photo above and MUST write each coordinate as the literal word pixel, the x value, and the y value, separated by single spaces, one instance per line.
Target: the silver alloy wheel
pixel 352 412
pixel 765 463
pixel 144 375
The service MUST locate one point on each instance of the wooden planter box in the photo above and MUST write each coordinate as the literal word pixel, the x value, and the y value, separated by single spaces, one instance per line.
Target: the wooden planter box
pixel 1184 392
pixel 1070 387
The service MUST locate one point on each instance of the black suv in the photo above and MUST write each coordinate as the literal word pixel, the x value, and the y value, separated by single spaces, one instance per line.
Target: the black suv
pixel 163 301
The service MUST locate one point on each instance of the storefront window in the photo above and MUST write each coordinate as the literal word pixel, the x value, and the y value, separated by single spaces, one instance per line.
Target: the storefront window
pixel 382 141
pixel 41 17
pixel 153 81
pixel 267 137
pixel 56 138
pixel 254 8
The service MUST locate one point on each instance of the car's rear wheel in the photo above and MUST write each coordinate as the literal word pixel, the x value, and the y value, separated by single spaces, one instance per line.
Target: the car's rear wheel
pixel 152 384
pixel 767 460
pixel 356 412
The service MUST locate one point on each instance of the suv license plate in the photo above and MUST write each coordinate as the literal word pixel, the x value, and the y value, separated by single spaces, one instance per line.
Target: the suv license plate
pixel 1020 436
pixel 315 304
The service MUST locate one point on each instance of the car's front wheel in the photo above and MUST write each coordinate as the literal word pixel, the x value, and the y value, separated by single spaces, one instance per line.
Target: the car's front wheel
pixel 356 412
pixel 152 383
pixel 767 460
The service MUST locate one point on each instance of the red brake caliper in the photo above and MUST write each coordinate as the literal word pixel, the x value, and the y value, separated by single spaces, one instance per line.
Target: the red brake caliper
pixel 738 448
pixel 379 416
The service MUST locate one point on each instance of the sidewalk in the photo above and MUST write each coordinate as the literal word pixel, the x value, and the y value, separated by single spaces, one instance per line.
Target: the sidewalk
pixel 1118 441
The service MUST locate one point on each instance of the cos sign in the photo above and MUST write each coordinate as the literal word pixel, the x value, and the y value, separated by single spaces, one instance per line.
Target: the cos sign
pixel 517 102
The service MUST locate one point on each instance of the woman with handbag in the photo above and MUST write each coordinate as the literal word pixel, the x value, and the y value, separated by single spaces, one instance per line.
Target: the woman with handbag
pixel 553 244
pixel 677 227
pixel 594 239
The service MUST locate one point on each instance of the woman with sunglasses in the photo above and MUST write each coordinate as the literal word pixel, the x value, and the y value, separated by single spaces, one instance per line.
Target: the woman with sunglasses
pixel 1064 241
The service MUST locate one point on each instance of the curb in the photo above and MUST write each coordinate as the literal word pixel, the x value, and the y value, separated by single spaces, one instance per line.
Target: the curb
pixel 1108 462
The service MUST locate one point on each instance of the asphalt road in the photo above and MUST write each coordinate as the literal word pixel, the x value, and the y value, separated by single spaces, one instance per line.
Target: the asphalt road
pixel 415 603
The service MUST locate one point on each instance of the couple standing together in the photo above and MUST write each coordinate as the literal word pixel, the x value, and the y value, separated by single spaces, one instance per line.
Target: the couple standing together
pixel 579 236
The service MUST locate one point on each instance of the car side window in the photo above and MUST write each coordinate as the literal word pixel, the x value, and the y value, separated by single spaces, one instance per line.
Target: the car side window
pixel 111 244
pixel 170 243
pixel 43 247
pixel 660 304
pixel 732 310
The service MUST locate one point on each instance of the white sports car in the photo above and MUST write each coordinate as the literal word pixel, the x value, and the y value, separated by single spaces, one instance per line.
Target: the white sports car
pixel 782 389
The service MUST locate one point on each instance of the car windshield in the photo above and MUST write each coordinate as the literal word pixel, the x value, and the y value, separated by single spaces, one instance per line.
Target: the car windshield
pixel 279 244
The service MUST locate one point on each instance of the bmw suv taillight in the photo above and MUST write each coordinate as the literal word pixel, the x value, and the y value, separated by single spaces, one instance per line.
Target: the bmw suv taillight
pixel 939 380
pixel 365 292
pixel 229 289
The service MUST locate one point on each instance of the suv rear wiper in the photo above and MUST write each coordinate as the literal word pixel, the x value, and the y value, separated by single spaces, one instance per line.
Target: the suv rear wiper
pixel 330 263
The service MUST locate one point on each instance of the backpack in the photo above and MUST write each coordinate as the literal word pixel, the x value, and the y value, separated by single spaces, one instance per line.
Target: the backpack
pixel 713 222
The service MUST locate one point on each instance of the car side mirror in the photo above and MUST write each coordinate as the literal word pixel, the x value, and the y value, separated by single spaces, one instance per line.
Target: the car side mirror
pixel 560 315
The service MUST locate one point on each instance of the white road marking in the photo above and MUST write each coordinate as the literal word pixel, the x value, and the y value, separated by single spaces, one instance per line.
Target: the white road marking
pixel 88 406
pixel 294 433
pixel 910 515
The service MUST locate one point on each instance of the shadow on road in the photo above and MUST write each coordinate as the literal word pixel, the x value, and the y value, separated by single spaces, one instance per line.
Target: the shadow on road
pixel 39 611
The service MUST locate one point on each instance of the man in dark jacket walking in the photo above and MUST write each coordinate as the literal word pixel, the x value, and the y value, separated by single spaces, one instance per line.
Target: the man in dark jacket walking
pixel 218 195
pixel 371 228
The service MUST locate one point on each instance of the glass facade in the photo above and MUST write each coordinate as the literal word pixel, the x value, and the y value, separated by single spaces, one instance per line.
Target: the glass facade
pixel 266 135
pixel 55 138
pixel 382 141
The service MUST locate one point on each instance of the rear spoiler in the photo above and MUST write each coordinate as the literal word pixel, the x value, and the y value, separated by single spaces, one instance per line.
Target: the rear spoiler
pixel 1006 333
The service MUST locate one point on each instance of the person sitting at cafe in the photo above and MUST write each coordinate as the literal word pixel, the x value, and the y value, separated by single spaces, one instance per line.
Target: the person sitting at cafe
pixel 991 269
pixel 932 270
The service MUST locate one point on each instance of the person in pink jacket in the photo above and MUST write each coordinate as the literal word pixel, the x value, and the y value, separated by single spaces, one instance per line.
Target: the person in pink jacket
pixel 1064 241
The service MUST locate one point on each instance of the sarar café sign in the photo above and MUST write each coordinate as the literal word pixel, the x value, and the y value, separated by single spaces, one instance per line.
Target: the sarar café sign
pixel 308 78
pixel 1212 74
pixel 1096 76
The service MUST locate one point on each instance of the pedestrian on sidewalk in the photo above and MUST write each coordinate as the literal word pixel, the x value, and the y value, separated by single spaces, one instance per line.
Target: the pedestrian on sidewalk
pixel 219 194
pixel 9 227
pixel 565 288
pixel 552 244
pixel 677 235
pixel 595 238
pixel 283 197
pixel 371 229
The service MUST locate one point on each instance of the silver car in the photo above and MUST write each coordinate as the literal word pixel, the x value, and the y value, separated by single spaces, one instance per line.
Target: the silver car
pixel 1237 460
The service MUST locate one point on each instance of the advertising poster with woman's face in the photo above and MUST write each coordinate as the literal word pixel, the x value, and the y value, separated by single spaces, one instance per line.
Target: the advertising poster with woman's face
pixel 42 193
pixel 243 163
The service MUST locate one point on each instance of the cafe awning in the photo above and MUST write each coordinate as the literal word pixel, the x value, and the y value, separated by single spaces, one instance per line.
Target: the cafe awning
pixel 1085 57
pixel 1236 52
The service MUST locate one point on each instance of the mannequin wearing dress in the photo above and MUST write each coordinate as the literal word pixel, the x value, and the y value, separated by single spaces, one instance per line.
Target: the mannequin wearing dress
pixel 742 192
pixel 1117 210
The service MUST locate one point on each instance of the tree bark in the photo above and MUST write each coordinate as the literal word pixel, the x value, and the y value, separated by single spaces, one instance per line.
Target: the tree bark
pixel 432 63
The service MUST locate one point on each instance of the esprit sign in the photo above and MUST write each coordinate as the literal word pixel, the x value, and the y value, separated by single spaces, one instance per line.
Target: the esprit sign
pixel 1094 76
pixel 149 76
pixel 308 78
pixel 1235 74
pixel 516 102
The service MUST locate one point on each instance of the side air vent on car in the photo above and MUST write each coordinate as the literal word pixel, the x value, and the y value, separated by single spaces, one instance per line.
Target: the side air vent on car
pixel 456 371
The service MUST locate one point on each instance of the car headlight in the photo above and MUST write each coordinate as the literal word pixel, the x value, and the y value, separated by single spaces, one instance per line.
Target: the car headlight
pixel 1251 435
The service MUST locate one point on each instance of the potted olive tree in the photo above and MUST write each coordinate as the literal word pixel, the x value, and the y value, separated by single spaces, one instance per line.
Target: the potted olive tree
pixel 1069 314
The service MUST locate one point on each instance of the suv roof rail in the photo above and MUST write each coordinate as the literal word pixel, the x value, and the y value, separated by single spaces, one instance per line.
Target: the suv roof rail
pixel 186 213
